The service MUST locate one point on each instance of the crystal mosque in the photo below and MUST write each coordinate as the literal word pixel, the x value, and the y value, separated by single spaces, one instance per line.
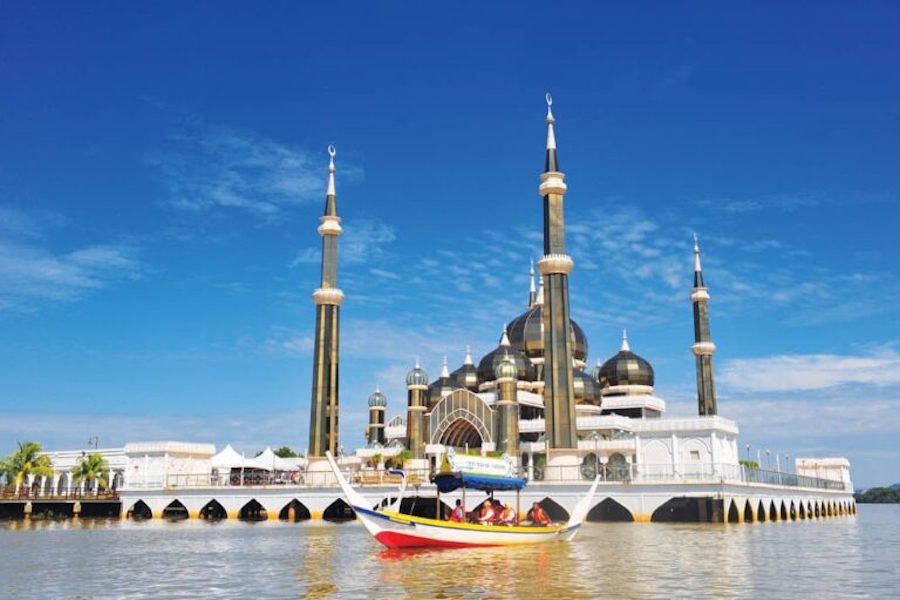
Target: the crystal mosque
pixel 533 397
pixel 532 400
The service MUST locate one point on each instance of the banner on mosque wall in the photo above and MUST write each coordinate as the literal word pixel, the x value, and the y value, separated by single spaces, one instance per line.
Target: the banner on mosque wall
pixel 467 463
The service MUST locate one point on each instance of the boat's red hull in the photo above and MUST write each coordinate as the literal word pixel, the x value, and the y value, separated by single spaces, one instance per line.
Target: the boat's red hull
pixel 395 539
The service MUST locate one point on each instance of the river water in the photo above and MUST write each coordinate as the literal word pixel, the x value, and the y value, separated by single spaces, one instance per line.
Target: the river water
pixel 843 557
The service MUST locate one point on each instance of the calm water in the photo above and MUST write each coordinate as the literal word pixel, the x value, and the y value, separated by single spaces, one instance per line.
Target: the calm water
pixel 841 557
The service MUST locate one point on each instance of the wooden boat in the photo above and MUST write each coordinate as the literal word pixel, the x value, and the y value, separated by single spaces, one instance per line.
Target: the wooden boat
pixel 396 530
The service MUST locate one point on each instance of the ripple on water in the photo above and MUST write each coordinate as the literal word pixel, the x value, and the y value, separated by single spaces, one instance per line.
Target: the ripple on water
pixel 839 557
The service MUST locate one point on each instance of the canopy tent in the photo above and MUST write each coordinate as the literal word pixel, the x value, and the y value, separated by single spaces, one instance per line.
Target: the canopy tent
pixel 277 463
pixel 230 459
pixel 447 482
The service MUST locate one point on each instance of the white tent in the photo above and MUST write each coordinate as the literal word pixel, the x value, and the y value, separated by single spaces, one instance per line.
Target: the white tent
pixel 228 458
pixel 277 463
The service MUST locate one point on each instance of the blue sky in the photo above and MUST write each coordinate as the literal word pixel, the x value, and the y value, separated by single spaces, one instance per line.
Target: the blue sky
pixel 162 170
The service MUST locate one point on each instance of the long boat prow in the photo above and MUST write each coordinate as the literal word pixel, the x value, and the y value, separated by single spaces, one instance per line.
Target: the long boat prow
pixel 580 511
pixel 353 497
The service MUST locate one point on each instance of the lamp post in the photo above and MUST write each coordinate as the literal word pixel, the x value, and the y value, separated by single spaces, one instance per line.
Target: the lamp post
pixel 768 464
pixel 787 463
pixel 777 463
pixel 748 452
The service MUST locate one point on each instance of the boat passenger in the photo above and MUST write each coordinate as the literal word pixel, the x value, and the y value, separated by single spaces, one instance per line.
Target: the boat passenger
pixel 538 516
pixel 508 516
pixel 487 514
pixel 458 515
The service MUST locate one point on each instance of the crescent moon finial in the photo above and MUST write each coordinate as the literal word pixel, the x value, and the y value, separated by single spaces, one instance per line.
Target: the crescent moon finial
pixel 331 150
pixel 549 99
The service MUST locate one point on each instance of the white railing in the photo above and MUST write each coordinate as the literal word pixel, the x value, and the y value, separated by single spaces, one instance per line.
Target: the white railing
pixel 609 473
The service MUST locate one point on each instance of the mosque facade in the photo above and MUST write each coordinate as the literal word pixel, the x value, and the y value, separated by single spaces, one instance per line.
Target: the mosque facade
pixel 534 397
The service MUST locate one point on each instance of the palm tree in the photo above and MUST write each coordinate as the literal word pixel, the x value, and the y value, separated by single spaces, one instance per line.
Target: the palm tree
pixel 25 461
pixel 90 469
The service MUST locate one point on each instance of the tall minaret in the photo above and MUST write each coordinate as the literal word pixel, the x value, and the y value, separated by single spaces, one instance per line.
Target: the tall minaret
pixel 417 387
pixel 507 405
pixel 377 406
pixel 323 418
pixel 703 347
pixel 555 266
pixel 532 292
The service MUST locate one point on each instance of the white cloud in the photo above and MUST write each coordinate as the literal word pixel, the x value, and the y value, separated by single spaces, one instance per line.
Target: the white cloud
pixel 67 431
pixel 364 241
pixel 802 372
pixel 30 270
pixel 224 169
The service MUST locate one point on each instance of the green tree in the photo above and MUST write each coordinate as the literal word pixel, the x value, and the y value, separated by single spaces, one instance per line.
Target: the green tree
pixel 879 495
pixel 25 461
pixel 91 468
pixel 285 452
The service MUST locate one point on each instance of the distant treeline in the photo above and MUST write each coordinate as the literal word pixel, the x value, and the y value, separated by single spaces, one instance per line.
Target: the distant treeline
pixel 879 495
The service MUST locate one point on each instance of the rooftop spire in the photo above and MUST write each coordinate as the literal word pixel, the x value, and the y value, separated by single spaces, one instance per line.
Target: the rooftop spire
pixel 468 359
pixel 330 194
pixel 504 339
pixel 539 301
pixel 552 163
pixel 698 271
pixel 532 293
pixel 445 371
pixel 625 347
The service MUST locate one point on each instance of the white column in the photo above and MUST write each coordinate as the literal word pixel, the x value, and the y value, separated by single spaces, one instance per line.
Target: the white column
pixel 674 454
pixel 712 450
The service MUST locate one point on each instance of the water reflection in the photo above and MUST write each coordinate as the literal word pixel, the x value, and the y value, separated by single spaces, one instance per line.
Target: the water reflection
pixel 836 557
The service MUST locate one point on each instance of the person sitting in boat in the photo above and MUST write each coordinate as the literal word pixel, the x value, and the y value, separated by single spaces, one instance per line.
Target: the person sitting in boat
pixel 508 516
pixel 538 516
pixel 458 514
pixel 488 514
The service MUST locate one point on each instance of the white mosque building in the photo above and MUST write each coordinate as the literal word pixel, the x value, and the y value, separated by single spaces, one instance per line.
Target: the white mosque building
pixel 532 399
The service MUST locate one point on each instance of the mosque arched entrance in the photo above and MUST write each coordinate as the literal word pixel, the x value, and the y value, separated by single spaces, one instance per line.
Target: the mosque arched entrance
pixel 461 433
pixel 461 419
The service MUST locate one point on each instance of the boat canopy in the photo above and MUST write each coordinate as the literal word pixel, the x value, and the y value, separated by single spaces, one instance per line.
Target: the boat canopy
pixel 447 482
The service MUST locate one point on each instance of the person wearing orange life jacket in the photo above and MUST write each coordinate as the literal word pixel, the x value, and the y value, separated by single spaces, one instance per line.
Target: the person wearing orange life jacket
pixel 538 516
pixel 487 515
pixel 508 516
pixel 458 515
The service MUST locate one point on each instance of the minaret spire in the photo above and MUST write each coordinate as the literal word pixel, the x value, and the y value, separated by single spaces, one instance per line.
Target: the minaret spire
pixel 552 162
pixel 468 359
pixel 703 347
pixel 323 422
pixel 555 266
pixel 532 293
pixel 698 270
pixel 445 370
pixel 625 347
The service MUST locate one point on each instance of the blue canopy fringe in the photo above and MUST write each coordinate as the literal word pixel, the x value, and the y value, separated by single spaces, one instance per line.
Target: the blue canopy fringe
pixel 447 482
